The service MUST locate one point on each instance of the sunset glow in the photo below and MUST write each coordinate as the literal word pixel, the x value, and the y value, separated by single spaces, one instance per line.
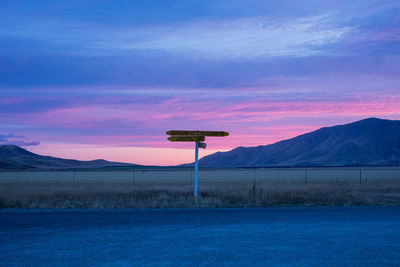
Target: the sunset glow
pixel 88 81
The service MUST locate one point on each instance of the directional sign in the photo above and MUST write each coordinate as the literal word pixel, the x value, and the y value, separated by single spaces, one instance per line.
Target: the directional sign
pixel 202 145
pixel 198 137
pixel 198 133
pixel 186 138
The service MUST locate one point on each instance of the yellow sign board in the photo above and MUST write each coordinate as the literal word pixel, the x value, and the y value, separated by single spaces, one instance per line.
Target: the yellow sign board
pixel 198 133
pixel 186 138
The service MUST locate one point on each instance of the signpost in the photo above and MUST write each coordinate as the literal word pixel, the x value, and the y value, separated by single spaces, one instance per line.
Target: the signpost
pixel 197 137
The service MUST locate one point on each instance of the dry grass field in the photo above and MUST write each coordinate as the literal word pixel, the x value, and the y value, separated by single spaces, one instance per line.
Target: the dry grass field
pixel 217 188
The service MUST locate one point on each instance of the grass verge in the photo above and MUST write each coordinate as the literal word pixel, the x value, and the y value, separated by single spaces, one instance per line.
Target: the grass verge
pixel 45 196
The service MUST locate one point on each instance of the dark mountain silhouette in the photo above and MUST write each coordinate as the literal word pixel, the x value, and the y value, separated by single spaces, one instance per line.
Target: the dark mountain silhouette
pixel 14 157
pixel 369 142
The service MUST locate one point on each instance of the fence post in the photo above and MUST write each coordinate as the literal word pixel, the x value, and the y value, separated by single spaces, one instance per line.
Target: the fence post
pixel 73 178
pixel 360 176
pixel 134 178
pixel 305 176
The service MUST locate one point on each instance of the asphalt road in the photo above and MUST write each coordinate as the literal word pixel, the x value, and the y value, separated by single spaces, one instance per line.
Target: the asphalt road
pixel 330 236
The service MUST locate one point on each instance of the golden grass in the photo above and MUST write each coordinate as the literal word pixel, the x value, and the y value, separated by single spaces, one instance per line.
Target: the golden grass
pixel 124 195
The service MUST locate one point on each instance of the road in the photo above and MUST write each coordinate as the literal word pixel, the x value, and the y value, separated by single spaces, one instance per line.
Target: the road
pixel 326 236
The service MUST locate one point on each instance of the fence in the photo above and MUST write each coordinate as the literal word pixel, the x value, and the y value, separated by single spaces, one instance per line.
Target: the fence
pixel 207 178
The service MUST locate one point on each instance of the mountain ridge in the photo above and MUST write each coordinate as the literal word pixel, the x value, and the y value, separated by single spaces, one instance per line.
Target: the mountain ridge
pixel 368 142
pixel 13 157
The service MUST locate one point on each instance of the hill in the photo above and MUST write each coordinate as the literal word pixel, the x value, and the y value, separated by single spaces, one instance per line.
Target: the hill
pixel 369 142
pixel 15 158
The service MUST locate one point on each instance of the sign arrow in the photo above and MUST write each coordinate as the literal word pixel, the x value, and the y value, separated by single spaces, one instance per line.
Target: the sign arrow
pixel 186 138
pixel 202 145
pixel 198 133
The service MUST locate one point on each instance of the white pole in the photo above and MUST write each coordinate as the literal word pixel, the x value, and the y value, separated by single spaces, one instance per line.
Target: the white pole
pixel 196 168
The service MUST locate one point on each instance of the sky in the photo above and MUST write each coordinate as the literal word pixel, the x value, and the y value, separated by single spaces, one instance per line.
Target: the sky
pixel 107 79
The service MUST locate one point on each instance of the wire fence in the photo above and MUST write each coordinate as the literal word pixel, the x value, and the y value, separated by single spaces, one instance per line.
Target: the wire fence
pixel 207 178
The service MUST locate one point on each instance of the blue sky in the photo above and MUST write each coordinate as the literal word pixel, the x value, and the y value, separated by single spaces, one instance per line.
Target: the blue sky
pixel 118 74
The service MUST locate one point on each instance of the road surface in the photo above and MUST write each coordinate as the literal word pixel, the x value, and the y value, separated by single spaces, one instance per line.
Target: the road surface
pixel 326 236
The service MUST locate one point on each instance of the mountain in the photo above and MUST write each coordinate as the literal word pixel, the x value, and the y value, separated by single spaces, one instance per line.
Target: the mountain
pixel 15 158
pixel 369 142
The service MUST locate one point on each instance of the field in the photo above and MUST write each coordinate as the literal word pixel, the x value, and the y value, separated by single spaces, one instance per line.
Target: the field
pixel 145 188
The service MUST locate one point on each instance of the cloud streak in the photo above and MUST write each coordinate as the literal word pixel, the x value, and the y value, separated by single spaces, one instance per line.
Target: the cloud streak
pixel 249 39
pixel 135 117
pixel 12 139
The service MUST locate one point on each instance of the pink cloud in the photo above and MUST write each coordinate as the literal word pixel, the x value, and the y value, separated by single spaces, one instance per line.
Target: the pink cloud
pixel 257 115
